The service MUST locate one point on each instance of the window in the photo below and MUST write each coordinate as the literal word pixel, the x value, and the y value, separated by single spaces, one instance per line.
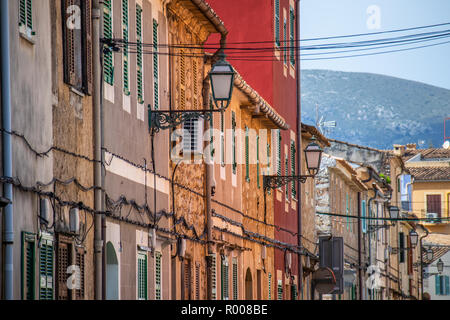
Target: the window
pixel 77 46
pixel 108 58
pixel 197 281
pixel 46 269
pixel 158 276
pixel 233 139
pixel 126 84
pixel 26 17
pixel 224 278
pixel 155 65
pixel 258 169
pixel 279 152
pixel 280 290
pixel 79 262
pixel 235 280
pixel 139 56
pixel 28 265
pixel 434 205
pixel 277 22
pixel 293 291
pixel 285 40
pixel 363 214
pixel 291 35
pixel 187 279
pixel 193 136
pixel 442 285
pixel 286 173
pixel 142 276
pixel 269 286
pixel 247 164
pixel 213 276
pixel 293 152
pixel 401 246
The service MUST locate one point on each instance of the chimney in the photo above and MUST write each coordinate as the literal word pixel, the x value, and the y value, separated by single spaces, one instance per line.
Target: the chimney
pixel 411 146
pixel 399 150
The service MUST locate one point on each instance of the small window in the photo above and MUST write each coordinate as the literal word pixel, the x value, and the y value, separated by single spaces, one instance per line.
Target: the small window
pixel 158 277
pixel 142 276
pixel 193 136
pixel 235 280
pixel 26 17
pixel 224 278
pixel 280 290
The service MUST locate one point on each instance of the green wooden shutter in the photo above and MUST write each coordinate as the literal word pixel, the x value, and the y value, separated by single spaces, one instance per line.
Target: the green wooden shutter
pixel 268 164
pixel 258 169
pixel 30 14
pixel 158 276
pixel 126 84
pixel 108 62
pixel 293 153
pixel 233 139
pixel 235 280
pixel 286 173
pixel 46 267
pixel 280 290
pixel 224 278
pixel 437 282
pixel 213 276
pixel 285 50
pixel 222 139
pixel 294 292
pixel 279 153
pixel 155 65
pixel 142 276
pixel 277 22
pixel 28 265
pixel 269 286
pixel 291 35
pixel 247 164
pixel 447 285
pixel 139 56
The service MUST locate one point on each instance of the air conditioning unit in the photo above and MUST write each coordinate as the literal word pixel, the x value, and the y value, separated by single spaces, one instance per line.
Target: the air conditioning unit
pixel 432 217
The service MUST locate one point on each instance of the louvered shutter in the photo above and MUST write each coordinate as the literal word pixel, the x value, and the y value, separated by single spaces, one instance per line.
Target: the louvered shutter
pixel 363 213
pixel 193 136
pixel 69 46
pixel 30 14
pixel 222 139
pixel 187 279
pixel 258 169
pixel 28 265
pixel 447 285
pixel 437 282
pixel 80 262
pixel 197 281
pixel 213 276
pixel 291 35
pixel 286 173
pixel 346 210
pixel 224 278
pixel 126 63
pixel 293 291
pixel 108 58
pixel 293 152
pixel 410 256
pixel 139 55
pixel 401 240
pixel 22 12
pixel 269 286
pixel 285 44
pixel 278 152
pixel 280 290
pixel 46 266
pixel 235 280
pixel 155 65
pixel 158 295
pixel 233 139
pixel 142 276
pixel 87 39
pixel 247 164
pixel 277 22
pixel 63 261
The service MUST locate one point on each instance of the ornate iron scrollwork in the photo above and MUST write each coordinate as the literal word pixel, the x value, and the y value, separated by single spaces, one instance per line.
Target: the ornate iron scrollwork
pixel 274 182
pixel 166 119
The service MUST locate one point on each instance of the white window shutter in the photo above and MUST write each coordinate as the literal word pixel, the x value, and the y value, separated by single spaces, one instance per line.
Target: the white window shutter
pixel 193 136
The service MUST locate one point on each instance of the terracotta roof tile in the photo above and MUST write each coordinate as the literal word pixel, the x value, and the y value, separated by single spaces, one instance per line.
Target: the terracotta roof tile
pixel 430 173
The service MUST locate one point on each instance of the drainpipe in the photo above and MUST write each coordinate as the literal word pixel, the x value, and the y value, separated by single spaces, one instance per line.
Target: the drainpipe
pixel 359 249
pixel 299 146
pixel 7 150
pixel 96 104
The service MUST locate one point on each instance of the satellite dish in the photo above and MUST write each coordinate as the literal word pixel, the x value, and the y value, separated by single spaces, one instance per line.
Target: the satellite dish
pixel 446 145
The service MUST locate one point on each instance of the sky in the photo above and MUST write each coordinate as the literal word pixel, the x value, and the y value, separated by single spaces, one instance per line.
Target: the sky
pixel 322 18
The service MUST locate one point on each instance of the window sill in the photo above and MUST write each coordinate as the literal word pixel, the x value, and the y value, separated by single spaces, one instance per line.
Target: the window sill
pixel 77 92
pixel 30 38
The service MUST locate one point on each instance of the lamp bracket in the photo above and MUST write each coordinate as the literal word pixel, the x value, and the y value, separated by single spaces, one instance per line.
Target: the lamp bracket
pixel 275 181
pixel 166 119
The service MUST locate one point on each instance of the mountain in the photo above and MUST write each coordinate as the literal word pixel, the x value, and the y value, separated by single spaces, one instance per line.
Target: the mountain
pixel 375 110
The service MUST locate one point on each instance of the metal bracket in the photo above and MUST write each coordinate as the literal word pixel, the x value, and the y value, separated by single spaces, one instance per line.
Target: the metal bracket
pixel 275 181
pixel 166 119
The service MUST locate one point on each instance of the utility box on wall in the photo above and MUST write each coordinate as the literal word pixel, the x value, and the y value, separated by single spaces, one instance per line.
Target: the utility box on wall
pixel 331 251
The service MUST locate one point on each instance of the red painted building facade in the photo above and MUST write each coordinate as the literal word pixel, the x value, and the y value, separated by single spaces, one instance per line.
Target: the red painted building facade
pixel 270 26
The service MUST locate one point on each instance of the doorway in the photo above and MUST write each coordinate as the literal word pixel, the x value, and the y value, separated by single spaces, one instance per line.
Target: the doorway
pixel 112 273
pixel 248 285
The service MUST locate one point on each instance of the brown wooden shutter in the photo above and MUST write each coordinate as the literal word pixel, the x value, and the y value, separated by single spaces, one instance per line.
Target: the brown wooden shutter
pixel 434 204
pixel 80 254
pixel 197 281
pixel 187 279
pixel 69 45
pixel 410 257
pixel 87 45
pixel 63 257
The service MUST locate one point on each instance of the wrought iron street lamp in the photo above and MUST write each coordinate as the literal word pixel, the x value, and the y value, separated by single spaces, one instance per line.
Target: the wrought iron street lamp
pixel 414 238
pixel 313 156
pixel 394 212
pixel 430 254
pixel 222 77
pixel 440 266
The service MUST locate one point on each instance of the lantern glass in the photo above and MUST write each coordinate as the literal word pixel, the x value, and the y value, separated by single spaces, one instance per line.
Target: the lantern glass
pixel 440 266
pixel 222 77
pixel 430 254
pixel 313 155
pixel 414 237
pixel 393 211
